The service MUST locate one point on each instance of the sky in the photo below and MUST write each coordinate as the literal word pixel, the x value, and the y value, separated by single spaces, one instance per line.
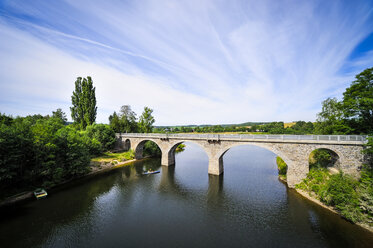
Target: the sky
pixel 191 61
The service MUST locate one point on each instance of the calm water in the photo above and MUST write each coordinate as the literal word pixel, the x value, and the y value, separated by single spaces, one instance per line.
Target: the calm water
pixel 181 207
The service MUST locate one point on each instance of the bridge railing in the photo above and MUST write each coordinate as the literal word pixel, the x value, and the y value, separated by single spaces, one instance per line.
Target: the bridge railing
pixel 337 138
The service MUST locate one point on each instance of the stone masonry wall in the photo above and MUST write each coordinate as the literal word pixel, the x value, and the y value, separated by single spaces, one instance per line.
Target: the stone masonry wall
pixel 295 155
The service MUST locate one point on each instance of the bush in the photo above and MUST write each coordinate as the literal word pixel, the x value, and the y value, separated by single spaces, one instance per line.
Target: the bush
pixel 365 190
pixel 315 181
pixel 340 192
pixel 103 134
pixel 320 158
pixel 352 198
pixel 129 155
pixel 281 166
pixel 180 148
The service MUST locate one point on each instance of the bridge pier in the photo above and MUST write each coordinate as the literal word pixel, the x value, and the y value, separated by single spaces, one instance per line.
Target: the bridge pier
pixel 167 158
pixel 216 166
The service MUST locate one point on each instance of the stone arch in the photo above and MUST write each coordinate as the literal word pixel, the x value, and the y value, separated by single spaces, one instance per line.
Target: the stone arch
pixel 127 144
pixel 336 157
pixel 139 147
pixel 272 148
pixel 168 158
pixel 262 145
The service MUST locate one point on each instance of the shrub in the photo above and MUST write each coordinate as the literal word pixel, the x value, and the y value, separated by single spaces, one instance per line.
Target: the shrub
pixel 340 192
pixel 129 155
pixel 315 181
pixel 180 148
pixel 281 166
pixel 365 190
pixel 103 134
pixel 320 158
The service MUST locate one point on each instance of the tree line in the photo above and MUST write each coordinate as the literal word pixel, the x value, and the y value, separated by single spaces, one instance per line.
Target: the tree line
pixel 41 150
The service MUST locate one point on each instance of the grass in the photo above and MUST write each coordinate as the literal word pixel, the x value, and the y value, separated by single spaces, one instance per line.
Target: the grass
pixel 109 157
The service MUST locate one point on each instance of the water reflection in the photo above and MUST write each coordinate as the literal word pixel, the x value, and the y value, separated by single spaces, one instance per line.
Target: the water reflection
pixel 182 206
pixel 215 189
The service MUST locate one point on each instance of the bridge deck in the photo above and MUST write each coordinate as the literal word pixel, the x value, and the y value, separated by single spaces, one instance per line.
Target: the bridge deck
pixel 326 139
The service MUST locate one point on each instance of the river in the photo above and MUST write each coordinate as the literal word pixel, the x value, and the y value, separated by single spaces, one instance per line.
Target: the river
pixel 181 207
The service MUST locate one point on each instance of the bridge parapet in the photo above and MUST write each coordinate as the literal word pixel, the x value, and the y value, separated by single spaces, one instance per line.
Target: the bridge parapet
pixel 328 139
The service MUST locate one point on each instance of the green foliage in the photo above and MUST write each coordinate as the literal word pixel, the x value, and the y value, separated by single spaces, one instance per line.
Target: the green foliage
pixel 315 181
pixel 93 145
pixel 321 158
pixel 16 151
pixel 84 109
pixel 74 156
pixel 108 157
pixel 151 149
pixel 352 115
pixel 146 121
pixel 301 127
pixel 341 193
pixel 125 121
pixel 282 166
pixel 180 148
pixel 358 102
pixel 59 114
pixel 352 198
pixel 331 120
pixel 42 150
pixel 273 128
pixel 104 134
pixel 6 120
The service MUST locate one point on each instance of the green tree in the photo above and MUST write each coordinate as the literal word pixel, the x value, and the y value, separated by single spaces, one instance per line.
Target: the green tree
pixel 124 121
pixel 146 121
pixel 331 120
pixel 128 118
pixel 115 123
pixel 358 102
pixel 103 134
pixel 5 119
pixel 84 109
pixel 60 115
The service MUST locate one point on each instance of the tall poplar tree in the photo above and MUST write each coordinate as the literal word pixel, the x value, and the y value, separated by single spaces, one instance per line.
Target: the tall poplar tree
pixel 84 109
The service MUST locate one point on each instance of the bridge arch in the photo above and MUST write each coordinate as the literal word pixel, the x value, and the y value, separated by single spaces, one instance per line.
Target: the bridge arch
pixel 268 147
pixel 335 160
pixel 127 144
pixel 139 147
pixel 168 158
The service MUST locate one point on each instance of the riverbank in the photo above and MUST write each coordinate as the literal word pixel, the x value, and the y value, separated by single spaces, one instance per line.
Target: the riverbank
pixel 312 197
pixel 318 202
pixel 27 196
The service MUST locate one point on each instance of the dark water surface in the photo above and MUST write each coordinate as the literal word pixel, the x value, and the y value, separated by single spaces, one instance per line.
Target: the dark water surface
pixel 181 207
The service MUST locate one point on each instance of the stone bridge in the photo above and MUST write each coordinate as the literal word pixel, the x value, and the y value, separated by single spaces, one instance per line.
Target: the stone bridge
pixel 293 149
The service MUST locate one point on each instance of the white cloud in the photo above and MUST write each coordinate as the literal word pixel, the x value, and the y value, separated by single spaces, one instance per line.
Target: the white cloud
pixel 192 61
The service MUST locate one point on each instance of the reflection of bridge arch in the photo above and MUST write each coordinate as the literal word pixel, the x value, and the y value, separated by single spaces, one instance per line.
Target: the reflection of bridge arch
pixel 293 149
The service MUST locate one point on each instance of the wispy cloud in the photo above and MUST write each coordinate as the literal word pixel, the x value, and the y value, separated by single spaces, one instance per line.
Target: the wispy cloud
pixel 192 61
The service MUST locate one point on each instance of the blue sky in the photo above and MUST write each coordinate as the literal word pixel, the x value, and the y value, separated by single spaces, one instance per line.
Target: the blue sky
pixel 193 62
